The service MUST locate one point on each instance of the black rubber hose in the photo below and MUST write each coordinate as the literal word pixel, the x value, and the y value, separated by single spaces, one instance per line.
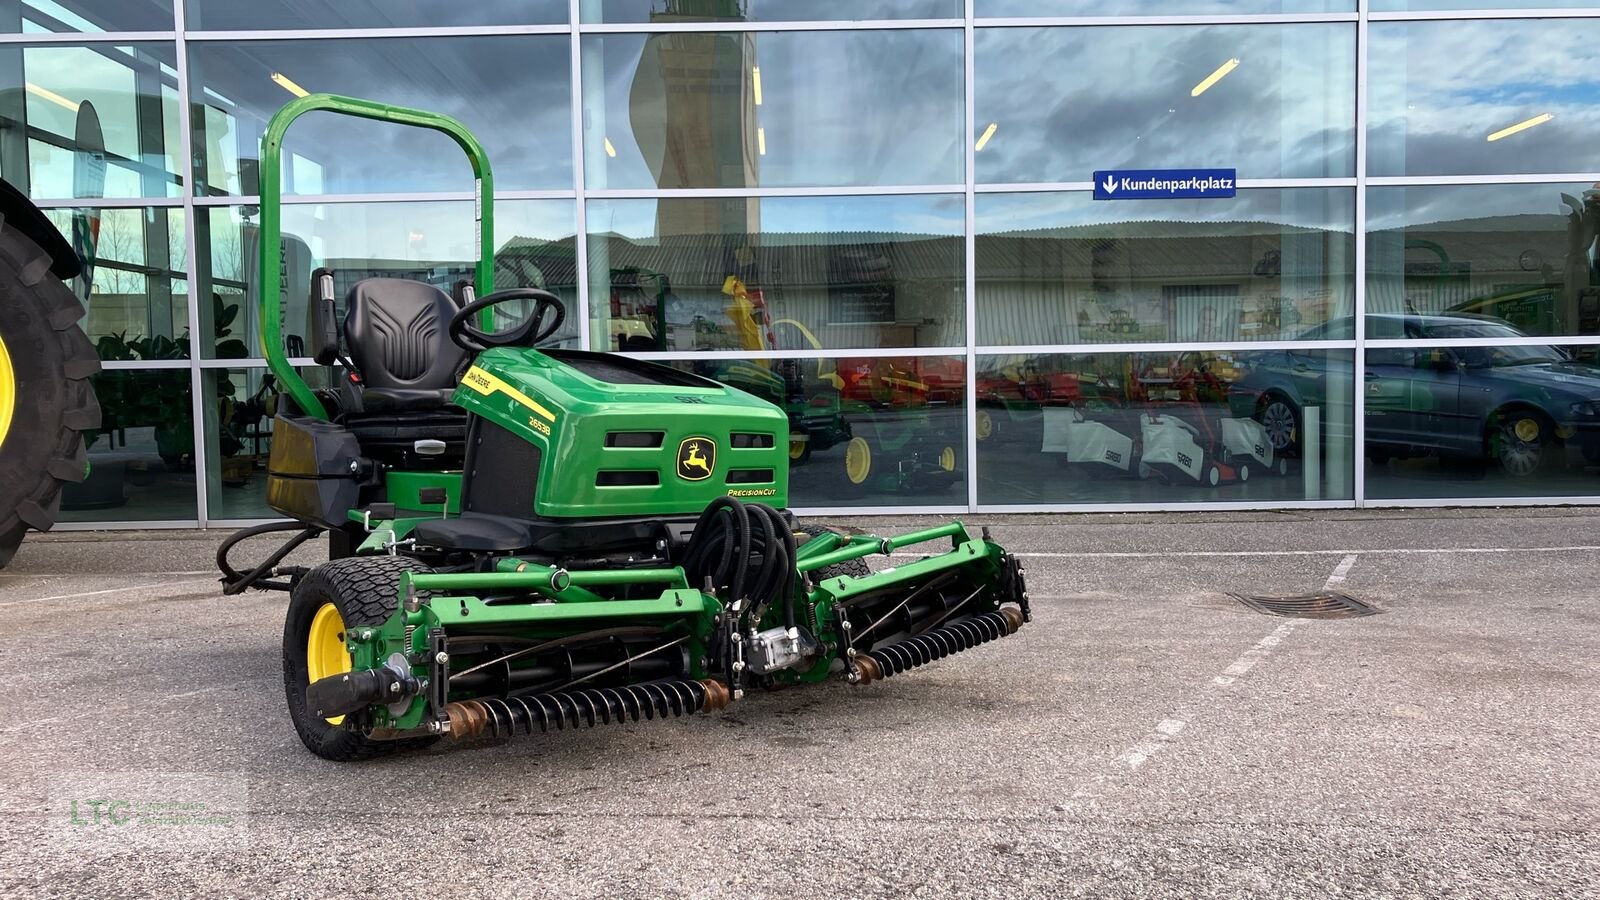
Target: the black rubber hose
pixel 762 531
pixel 260 576
pixel 738 546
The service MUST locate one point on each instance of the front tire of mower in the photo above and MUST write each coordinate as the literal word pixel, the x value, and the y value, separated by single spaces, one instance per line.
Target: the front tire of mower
pixel 855 568
pixel 361 590
pixel 46 403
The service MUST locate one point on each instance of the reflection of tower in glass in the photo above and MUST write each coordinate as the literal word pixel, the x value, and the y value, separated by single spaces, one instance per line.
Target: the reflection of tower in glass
pixel 693 111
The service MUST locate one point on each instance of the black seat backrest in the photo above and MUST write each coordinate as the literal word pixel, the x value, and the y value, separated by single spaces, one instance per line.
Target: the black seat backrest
pixel 398 332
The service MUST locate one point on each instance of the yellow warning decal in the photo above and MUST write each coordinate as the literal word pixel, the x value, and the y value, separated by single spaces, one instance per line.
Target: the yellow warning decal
pixel 486 384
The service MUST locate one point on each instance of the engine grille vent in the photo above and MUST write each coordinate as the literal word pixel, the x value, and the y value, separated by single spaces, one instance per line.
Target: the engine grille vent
pixel 627 479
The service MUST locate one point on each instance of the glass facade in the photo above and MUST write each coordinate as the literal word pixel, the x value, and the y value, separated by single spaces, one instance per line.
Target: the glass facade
pixel 880 216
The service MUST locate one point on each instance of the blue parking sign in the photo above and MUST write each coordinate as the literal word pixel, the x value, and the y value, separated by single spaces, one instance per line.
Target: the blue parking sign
pixel 1165 184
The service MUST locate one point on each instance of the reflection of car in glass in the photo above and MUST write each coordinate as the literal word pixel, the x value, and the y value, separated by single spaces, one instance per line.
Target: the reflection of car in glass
pixel 1015 392
pixel 1508 405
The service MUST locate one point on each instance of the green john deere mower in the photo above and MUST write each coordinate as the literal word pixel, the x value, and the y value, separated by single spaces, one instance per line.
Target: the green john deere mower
pixel 527 540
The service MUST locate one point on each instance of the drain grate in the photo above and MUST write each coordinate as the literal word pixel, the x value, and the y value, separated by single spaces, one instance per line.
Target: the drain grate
pixel 1323 605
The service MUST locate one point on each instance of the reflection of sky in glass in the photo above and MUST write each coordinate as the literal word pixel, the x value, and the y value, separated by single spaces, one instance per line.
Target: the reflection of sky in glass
pixel 226 15
pixel 920 215
pixel 1395 207
pixel 122 15
pixel 430 231
pixel 511 91
pixel 61 79
pixel 1068 101
pixel 1439 89
pixel 838 108
pixel 1017 8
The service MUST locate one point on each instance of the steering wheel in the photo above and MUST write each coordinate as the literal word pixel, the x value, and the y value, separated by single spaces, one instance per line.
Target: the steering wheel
pixel 530 332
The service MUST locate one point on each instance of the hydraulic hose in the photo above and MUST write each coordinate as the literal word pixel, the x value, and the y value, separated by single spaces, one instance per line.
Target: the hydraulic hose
pixel 262 575
pixel 746 552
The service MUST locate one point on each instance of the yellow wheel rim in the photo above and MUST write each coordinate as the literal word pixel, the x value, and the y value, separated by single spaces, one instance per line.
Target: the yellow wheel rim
pixel 797 446
pixel 325 652
pixel 857 460
pixel 1526 430
pixel 947 459
pixel 985 425
pixel 8 391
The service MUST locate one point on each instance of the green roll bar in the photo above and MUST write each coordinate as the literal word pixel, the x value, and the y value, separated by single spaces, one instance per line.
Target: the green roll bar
pixel 271 222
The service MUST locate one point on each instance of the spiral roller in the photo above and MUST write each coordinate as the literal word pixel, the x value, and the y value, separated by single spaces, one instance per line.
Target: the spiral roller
pixel 936 643
pixel 584 708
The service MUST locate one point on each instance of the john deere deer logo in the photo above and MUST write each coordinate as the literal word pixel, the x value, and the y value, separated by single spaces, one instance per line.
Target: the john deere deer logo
pixel 697 456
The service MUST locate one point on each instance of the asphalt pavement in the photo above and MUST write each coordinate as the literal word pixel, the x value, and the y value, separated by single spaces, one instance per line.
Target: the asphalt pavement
pixel 1148 735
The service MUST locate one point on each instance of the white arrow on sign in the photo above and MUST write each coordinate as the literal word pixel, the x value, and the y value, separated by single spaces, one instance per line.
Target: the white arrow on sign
pixel 1110 185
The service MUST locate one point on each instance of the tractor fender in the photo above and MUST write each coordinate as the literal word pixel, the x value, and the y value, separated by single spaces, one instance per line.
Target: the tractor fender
pixel 20 213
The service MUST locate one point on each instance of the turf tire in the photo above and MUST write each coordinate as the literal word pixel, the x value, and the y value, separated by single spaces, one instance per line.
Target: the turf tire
pixel 365 590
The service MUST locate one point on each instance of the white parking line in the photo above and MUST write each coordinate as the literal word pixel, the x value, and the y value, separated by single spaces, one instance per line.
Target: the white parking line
pixel 1168 729
pixel 116 590
pixel 1248 659
pixel 101 575
pixel 1339 572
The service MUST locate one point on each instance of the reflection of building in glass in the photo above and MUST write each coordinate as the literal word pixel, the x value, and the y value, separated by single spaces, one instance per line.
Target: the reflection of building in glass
pixel 813 158
pixel 1161 281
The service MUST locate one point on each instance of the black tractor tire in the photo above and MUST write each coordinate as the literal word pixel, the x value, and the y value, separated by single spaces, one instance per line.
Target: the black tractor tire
pixel 51 361
pixel 365 590
pixel 855 568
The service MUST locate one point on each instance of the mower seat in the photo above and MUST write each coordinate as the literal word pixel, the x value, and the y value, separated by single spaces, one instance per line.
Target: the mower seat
pixel 398 333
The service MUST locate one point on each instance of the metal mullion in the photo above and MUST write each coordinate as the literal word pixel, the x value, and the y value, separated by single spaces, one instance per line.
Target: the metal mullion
pixel 838 511
pixel 1577 340
pixel 1194 506
pixel 755 192
pixel 131 525
pixel 85 37
pixel 1231 19
pixel 970 247
pixel 250 363
pixel 825 353
pixel 145 364
pixel 319 34
pixel 1173 347
pixel 1358 389
pixel 109 202
pixel 1431 502
pixel 191 263
pixel 560 194
pixel 1447 180
pixel 233 524
pixel 1244 184
pixel 317 199
pixel 808 25
pixel 1435 15
pixel 580 221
